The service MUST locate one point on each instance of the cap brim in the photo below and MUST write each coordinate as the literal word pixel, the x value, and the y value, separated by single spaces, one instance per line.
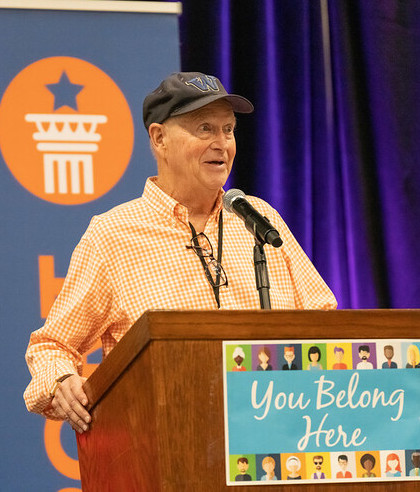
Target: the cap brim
pixel 239 104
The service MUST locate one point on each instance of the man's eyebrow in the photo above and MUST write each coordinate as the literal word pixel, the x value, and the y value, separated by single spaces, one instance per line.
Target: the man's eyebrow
pixel 203 114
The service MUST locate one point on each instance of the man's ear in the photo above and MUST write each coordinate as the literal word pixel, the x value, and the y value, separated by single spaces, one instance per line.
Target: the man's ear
pixel 157 137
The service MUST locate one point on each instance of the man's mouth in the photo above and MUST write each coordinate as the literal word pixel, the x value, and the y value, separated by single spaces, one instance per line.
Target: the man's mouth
pixel 216 162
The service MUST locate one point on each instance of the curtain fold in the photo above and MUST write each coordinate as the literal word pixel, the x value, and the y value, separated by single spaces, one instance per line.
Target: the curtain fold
pixel 334 142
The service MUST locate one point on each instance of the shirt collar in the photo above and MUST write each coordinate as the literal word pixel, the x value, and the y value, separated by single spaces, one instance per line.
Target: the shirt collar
pixel 169 208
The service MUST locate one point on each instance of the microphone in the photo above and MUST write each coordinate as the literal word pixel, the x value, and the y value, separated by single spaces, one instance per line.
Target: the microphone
pixel 260 227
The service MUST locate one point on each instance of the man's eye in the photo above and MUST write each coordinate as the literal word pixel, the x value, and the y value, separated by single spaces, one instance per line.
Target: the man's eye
pixel 205 128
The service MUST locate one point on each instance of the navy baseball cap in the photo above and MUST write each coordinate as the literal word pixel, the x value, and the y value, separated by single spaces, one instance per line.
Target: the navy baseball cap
pixel 183 92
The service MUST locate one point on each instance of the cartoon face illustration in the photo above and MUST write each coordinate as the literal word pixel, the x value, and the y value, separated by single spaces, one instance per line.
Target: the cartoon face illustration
pixel 413 356
pixel 314 354
pixel 264 355
pixel 389 352
pixel 293 466
pixel 364 352
pixel 238 356
pixel 318 461
pixel 243 465
pixel 268 465
pixel 338 354
pixel 289 354
pixel 343 462
pixel 368 463
pixel 415 459
pixel 393 465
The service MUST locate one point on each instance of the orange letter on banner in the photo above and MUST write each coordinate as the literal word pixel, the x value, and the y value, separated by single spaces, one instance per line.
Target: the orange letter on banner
pixel 63 463
pixel 49 285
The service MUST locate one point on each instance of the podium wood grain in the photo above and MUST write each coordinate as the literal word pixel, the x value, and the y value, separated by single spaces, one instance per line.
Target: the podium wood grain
pixel 157 399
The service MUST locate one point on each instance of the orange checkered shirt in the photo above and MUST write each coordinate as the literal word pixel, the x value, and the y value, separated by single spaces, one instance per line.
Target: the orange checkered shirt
pixel 134 258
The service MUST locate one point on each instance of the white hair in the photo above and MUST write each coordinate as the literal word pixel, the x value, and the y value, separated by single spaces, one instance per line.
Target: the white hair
pixel 292 458
pixel 238 351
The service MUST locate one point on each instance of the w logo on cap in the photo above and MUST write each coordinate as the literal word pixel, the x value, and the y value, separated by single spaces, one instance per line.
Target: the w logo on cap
pixel 206 83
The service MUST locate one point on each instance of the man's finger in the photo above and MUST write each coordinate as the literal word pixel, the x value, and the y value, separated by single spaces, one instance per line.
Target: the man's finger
pixel 69 401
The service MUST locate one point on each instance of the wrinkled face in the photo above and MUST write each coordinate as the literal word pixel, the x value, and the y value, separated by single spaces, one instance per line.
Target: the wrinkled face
pixel 199 148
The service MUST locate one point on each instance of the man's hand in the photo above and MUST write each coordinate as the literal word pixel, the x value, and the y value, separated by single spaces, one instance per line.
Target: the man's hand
pixel 69 403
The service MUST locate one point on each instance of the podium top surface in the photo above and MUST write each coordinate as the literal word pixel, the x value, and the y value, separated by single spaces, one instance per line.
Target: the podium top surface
pixel 275 324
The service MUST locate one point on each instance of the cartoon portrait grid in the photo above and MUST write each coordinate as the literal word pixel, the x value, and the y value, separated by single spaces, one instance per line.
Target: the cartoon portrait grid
pixel 325 466
pixel 310 356
pixel 384 354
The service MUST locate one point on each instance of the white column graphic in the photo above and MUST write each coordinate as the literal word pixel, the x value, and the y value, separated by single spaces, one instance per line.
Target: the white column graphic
pixel 67 142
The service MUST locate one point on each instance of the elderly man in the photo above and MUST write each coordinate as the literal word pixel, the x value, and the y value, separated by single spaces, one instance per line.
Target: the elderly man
pixel 172 248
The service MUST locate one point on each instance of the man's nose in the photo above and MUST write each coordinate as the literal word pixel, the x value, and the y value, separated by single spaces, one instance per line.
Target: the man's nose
pixel 221 140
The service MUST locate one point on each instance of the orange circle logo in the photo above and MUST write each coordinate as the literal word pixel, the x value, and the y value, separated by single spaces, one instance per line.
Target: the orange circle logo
pixel 66 130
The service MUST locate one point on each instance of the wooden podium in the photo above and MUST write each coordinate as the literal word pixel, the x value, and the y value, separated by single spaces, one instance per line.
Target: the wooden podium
pixel 157 399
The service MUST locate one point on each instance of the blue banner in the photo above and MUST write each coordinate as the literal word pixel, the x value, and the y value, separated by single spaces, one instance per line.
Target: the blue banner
pixel 73 145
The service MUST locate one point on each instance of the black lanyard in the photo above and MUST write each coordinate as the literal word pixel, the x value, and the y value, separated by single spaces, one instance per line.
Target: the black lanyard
pixel 219 256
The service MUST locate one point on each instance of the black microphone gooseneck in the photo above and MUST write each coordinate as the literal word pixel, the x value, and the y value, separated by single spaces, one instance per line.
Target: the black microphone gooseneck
pixel 260 227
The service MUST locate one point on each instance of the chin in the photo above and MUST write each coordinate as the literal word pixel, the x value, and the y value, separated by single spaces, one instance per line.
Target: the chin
pixel 215 184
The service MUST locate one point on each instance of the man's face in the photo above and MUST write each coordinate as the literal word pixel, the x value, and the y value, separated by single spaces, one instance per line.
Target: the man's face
pixel 364 355
pixel 243 466
pixel 199 148
pixel 318 463
pixel 339 354
pixel 289 355
pixel 389 352
pixel 342 464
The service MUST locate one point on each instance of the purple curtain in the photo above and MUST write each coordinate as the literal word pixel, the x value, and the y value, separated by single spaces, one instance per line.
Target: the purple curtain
pixel 334 142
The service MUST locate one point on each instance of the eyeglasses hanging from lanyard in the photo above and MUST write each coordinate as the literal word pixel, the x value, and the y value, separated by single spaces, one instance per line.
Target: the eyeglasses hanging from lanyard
pixel 213 269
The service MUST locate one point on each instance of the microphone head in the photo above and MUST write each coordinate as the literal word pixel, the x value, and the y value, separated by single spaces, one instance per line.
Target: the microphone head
pixel 230 196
